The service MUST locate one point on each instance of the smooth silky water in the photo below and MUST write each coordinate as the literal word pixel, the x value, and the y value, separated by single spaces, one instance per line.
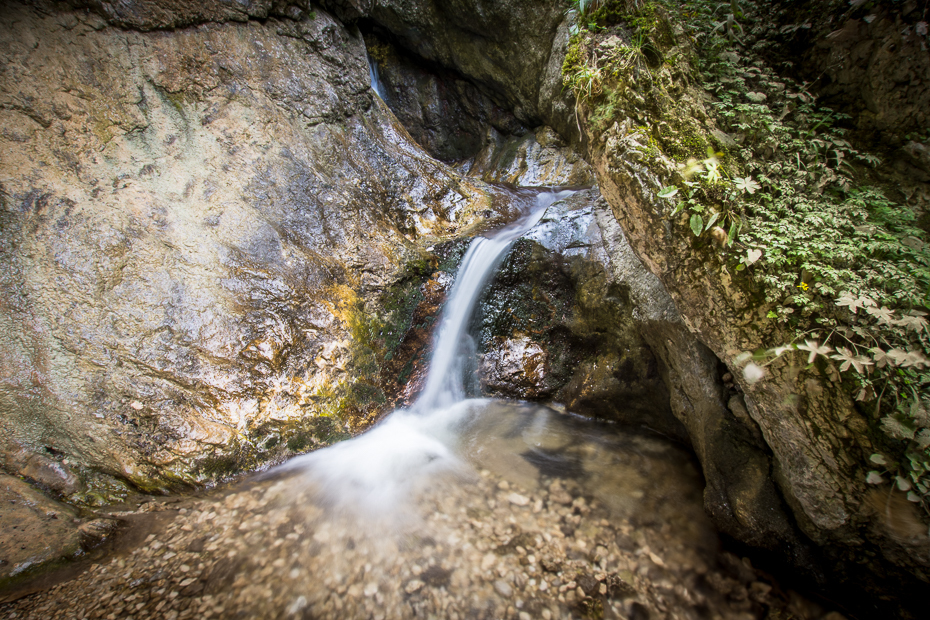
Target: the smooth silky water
pixel 453 508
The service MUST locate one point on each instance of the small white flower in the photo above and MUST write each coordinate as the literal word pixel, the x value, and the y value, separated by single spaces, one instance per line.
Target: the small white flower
pixel 753 372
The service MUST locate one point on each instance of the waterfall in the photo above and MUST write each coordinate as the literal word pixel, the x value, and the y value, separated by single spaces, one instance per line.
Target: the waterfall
pixel 376 84
pixel 444 379
pixel 378 469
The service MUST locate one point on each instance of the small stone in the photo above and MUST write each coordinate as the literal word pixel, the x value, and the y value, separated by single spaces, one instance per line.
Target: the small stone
pixel 503 588
pixel 297 605
pixel 517 499
pixel 371 589
pixel 413 585
pixel 525 616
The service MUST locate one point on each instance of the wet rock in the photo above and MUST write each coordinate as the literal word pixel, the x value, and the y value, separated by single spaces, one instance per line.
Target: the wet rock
pixel 515 363
pixel 45 470
pixel 555 322
pixel 96 531
pixel 532 159
pixel 34 530
pixel 229 217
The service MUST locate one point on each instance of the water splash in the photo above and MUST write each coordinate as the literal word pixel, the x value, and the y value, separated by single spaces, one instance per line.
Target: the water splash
pixel 377 471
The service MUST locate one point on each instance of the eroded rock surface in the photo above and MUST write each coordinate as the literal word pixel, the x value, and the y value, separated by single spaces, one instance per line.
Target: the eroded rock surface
pixel 197 226
pixel 512 49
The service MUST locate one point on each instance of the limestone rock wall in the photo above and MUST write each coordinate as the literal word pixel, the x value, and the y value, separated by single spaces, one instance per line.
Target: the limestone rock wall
pixel 511 49
pixel 196 228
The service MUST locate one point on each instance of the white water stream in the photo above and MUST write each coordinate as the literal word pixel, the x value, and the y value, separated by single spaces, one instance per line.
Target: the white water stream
pixel 375 78
pixel 376 471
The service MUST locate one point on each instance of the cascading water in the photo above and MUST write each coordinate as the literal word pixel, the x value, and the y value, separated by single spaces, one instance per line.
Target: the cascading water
pixel 454 508
pixel 375 78
pixel 381 467
pixel 444 384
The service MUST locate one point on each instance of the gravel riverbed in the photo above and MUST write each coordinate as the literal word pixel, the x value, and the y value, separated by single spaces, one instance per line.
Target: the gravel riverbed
pixel 551 517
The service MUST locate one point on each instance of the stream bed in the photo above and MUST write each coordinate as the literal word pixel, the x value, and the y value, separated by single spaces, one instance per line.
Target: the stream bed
pixel 542 515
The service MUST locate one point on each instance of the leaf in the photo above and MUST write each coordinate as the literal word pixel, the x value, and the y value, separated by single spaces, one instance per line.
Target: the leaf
pixel 857 362
pixel 879 356
pixel 668 192
pixel 747 185
pixel 907 359
pixel 914 323
pixel 713 219
pixel 913 497
pixel 883 314
pixel 678 208
pixel 896 428
pixel 896 356
pixel 731 236
pixel 854 303
pixel 697 224
pixel 815 349
pixel 874 478
pixel 878 459
pixel 903 483
pixel 752 256
pixel 923 439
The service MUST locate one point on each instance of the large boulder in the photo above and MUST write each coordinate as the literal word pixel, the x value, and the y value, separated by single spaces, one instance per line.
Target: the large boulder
pixel 198 231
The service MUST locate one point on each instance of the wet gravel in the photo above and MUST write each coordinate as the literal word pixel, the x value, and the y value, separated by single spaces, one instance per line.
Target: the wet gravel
pixel 553 518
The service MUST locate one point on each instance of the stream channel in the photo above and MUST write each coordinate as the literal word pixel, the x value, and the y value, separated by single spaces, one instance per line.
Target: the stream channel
pixel 453 508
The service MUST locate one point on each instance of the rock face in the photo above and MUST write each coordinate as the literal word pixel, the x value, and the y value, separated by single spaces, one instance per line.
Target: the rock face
pixel 193 224
pixel 871 61
pixel 445 114
pixel 512 49
pixel 166 14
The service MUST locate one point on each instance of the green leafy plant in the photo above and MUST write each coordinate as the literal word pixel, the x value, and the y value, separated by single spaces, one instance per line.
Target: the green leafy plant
pixel 835 260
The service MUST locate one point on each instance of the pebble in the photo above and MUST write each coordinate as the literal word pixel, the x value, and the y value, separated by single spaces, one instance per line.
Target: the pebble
pixel 503 588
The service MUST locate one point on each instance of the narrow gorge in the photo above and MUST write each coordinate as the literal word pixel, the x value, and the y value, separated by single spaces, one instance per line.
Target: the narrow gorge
pixel 464 309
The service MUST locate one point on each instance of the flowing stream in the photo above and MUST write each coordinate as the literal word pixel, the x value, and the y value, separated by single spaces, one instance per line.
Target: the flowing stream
pixel 454 508
pixel 377 470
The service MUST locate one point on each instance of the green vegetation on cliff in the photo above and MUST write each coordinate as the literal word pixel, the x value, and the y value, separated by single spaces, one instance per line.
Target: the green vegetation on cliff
pixel 807 223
